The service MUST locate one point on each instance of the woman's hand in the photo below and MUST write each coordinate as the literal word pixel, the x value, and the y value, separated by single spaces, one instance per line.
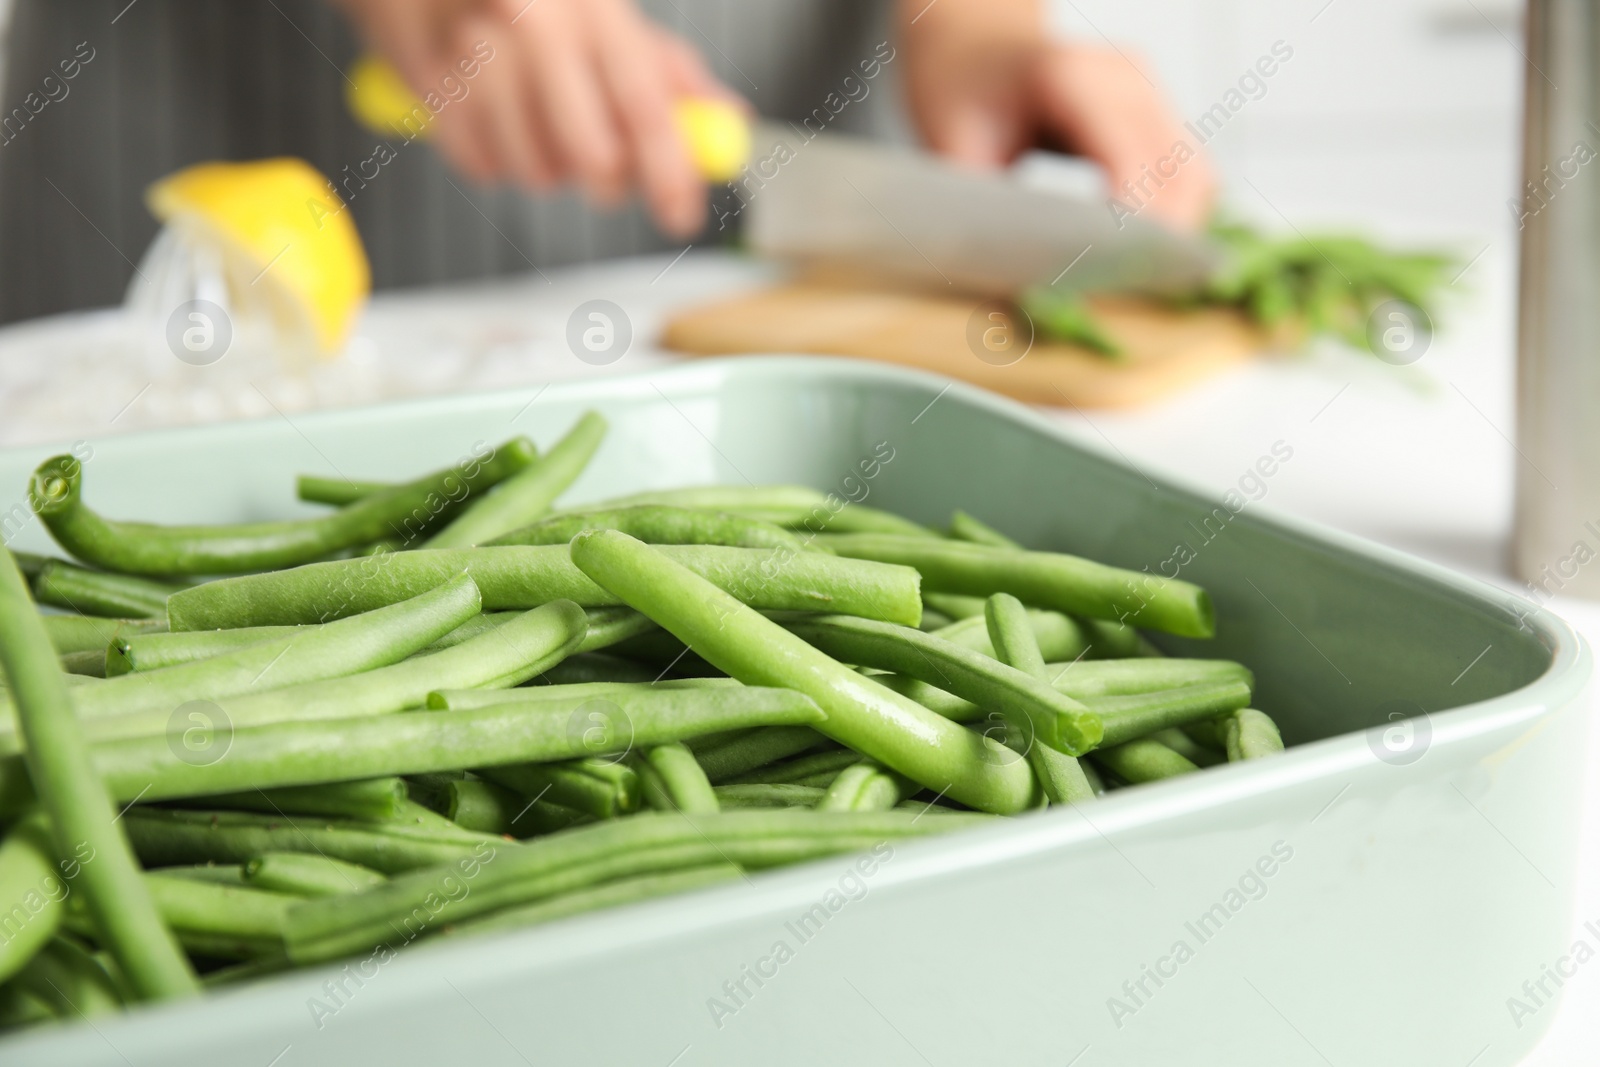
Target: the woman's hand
pixel 572 92
pixel 985 84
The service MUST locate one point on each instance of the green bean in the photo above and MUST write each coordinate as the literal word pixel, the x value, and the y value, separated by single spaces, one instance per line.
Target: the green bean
pixel 71 981
pixel 317 489
pixel 145 702
pixel 145 548
pixel 1061 777
pixel 522 577
pixel 793 770
pixel 757 749
pixel 528 494
pixel 81 633
pixel 331 750
pixel 167 837
pixel 609 895
pixel 1143 760
pixel 851 517
pixel 1059 637
pixel 31 893
pixel 767 795
pixel 865 786
pixel 589 667
pixel 504 656
pixel 955 605
pixel 1086 679
pixel 148 652
pixel 592 786
pixel 1187 747
pixel 757 651
pixel 1136 715
pixel 683 783
pixel 574 859
pixel 609 626
pixel 658 525
pixel 1055 719
pixel 783 505
pixel 468 699
pixel 964 527
pixel 221 921
pixel 227 874
pixel 1042 579
pixel 933 620
pixel 1250 734
pixel 372 798
pixel 60 766
pixel 482 805
pixel 304 874
pixel 87 592
pixel 84 664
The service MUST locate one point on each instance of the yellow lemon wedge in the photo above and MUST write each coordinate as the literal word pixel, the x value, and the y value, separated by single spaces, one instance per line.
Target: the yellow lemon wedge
pixel 380 99
pixel 717 134
pixel 284 238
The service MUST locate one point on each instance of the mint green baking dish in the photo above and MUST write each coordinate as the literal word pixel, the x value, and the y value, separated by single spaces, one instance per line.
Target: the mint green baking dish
pixel 1374 896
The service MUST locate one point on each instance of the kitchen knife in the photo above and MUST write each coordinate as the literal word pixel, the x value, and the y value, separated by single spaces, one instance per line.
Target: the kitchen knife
pixel 864 207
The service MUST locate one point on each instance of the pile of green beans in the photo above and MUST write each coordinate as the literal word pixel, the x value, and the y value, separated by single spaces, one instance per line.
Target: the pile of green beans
pixel 230 750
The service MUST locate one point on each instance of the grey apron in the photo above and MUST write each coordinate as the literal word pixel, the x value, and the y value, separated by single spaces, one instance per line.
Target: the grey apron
pixel 160 84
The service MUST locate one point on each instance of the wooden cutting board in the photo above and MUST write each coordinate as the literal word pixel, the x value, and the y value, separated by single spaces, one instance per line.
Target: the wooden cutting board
pixel 1164 350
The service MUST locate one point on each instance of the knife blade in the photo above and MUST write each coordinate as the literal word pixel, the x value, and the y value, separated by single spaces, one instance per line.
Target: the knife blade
pixel 863 207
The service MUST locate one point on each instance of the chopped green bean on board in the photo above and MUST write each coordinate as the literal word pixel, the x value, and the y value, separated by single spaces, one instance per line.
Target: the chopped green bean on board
pixel 285 736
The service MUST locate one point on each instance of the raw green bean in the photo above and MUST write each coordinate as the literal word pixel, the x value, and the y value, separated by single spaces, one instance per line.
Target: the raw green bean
pixel 64 585
pixel 225 922
pixel 565 862
pixel 1250 734
pixel 527 495
pixel 608 626
pixel 757 749
pixel 148 652
pixel 1061 777
pixel 767 795
pixel 757 651
pixel 1085 679
pixel 609 895
pixel 56 491
pixel 229 874
pixel 31 893
pixel 793 770
pixel 1187 747
pixel 1055 719
pixel 864 786
pixel 1059 637
pixel 71 981
pixel 522 577
pixel 858 518
pixel 317 489
pixel 468 699
pixel 657 524
pixel 933 620
pixel 590 667
pixel 955 605
pixel 19 1008
pixel 964 527
pixel 1042 579
pixel 148 702
pixel 485 807
pixel 81 633
pixel 331 750
pixel 504 656
pixel 166 837
pixel 372 798
pixel 783 505
pixel 59 763
pixel 305 874
pixel 683 781
pixel 84 664
pixel 1143 760
pixel 593 786
pixel 1136 715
